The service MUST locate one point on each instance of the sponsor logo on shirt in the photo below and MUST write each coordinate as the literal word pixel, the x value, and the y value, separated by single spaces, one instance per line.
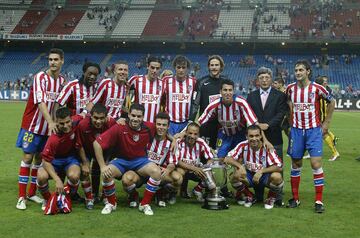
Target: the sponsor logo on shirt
pixel 154 157
pixel 150 98
pixel 84 102
pixel 304 107
pixel 254 167
pixel 181 97
pixel 115 102
pixel 51 96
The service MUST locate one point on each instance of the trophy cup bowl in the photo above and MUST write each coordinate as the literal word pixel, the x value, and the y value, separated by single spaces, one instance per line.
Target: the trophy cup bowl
pixel 216 178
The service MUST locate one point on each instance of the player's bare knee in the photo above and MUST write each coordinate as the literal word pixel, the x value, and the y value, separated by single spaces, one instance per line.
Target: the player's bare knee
pixel 177 178
pixel 296 164
pixel 28 158
pixel 276 178
pixel 42 176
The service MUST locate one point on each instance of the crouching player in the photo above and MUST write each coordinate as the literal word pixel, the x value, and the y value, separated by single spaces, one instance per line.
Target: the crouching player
pixel 129 143
pixel 188 153
pixel 60 158
pixel 88 129
pixel 255 166
pixel 159 153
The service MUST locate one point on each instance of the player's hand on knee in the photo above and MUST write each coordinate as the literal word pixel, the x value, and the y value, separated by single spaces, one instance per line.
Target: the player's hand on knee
pixel 59 186
pixel 257 176
pixel 106 172
pixel 85 169
pixel 200 173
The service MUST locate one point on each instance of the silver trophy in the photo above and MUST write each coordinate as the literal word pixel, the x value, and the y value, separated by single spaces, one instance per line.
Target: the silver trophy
pixel 216 178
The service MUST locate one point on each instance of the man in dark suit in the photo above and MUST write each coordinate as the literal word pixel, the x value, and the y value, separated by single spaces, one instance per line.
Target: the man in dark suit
pixel 270 107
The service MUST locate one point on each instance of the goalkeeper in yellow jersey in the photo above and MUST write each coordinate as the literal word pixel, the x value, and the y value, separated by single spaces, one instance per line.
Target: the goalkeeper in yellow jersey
pixel 329 137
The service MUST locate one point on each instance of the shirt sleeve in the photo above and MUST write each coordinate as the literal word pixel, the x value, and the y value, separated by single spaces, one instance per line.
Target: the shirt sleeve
pixel 274 159
pixel 48 154
pixel 39 88
pixel 100 92
pixel 237 152
pixel 65 94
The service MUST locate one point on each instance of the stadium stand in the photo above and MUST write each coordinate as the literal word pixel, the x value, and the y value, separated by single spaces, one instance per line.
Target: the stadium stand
pixel 274 24
pixel 132 23
pixel 9 19
pixel 162 23
pixel 202 23
pixel 230 24
pixel 65 22
pixel 29 22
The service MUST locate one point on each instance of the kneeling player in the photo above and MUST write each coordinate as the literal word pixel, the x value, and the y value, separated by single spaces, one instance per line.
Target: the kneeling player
pixel 255 166
pixel 129 143
pixel 159 153
pixel 60 158
pixel 188 154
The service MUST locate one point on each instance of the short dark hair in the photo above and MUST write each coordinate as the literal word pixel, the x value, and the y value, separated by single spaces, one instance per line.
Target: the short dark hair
pixel 62 113
pixel 57 51
pixel 154 59
pixel 137 106
pixel 227 82
pixel 163 115
pixel 98 108
pixel 219 58
pixel 194 124
pixel 280 80
pixel 121 62
pixel 180 60
pixel 253 127
pixel 91 64
pixel 306 65
pixel 320 79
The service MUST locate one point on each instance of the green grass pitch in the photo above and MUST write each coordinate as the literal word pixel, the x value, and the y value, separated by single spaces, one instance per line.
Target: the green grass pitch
pixel 186 218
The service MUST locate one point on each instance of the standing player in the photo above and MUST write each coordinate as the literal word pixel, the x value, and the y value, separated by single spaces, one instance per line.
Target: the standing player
pixel 37 123
pixel 307 130
pixel 178 92
pixel 233 113
pixel 328 137
pixel 88 129
pixel 112 92
pixel 188 155
pixel 160 154
pixel 60 158
pixel 255 166
pixel 129 143
pixel 149 89
pixel 207 90
pixel 77 93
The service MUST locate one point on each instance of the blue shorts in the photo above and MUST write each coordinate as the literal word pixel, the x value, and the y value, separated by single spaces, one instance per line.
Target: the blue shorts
pixel 61 165
pixel 263 180
pixel 29 142
pixel 305 139
pixel 124 165
pixel 226 143
pixel 175 127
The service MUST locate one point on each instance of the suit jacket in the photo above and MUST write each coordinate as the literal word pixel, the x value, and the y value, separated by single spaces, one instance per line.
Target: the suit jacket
pixel 273 114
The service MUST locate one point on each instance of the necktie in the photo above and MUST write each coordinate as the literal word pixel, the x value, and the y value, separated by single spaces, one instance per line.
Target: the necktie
pixel 264 96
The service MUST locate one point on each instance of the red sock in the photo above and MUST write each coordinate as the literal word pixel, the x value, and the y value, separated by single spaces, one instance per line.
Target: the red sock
pixel 109 191
pixel 295 182
pixel 73 187
pixel 318 176
pixel 271 194
pixel 247 192
pixel 199 187
pixel 32 188
pixel 151 186
pixel 44 190
pixel 87 190
pixel 24 173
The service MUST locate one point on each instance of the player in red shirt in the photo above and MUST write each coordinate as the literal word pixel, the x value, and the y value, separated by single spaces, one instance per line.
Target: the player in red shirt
pixel 87 131
pixel 76 94
pixel 255 166
pixel 60 158
pixel 129 143
pixel 189 152
pixel 148 89
pixel 307 130
pixel 159 153
pixel 112 91
pixel 37 123
pixel 178 92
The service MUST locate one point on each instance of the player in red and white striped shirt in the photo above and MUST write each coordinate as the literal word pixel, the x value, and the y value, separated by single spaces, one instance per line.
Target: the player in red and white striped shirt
pixel 77 93
pixel 37 123
pixel 255 166
pixel 149 89
pixel 307 130
pixel 233 114
pixel 188 156
pixel 178 91
pixel 112 92
pixel 158 151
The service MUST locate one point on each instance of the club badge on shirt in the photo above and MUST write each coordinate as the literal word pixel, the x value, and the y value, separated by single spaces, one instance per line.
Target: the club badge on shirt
pixel 136 138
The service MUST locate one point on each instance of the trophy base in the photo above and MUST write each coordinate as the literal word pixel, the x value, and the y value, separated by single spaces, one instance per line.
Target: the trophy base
pixel 218 203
